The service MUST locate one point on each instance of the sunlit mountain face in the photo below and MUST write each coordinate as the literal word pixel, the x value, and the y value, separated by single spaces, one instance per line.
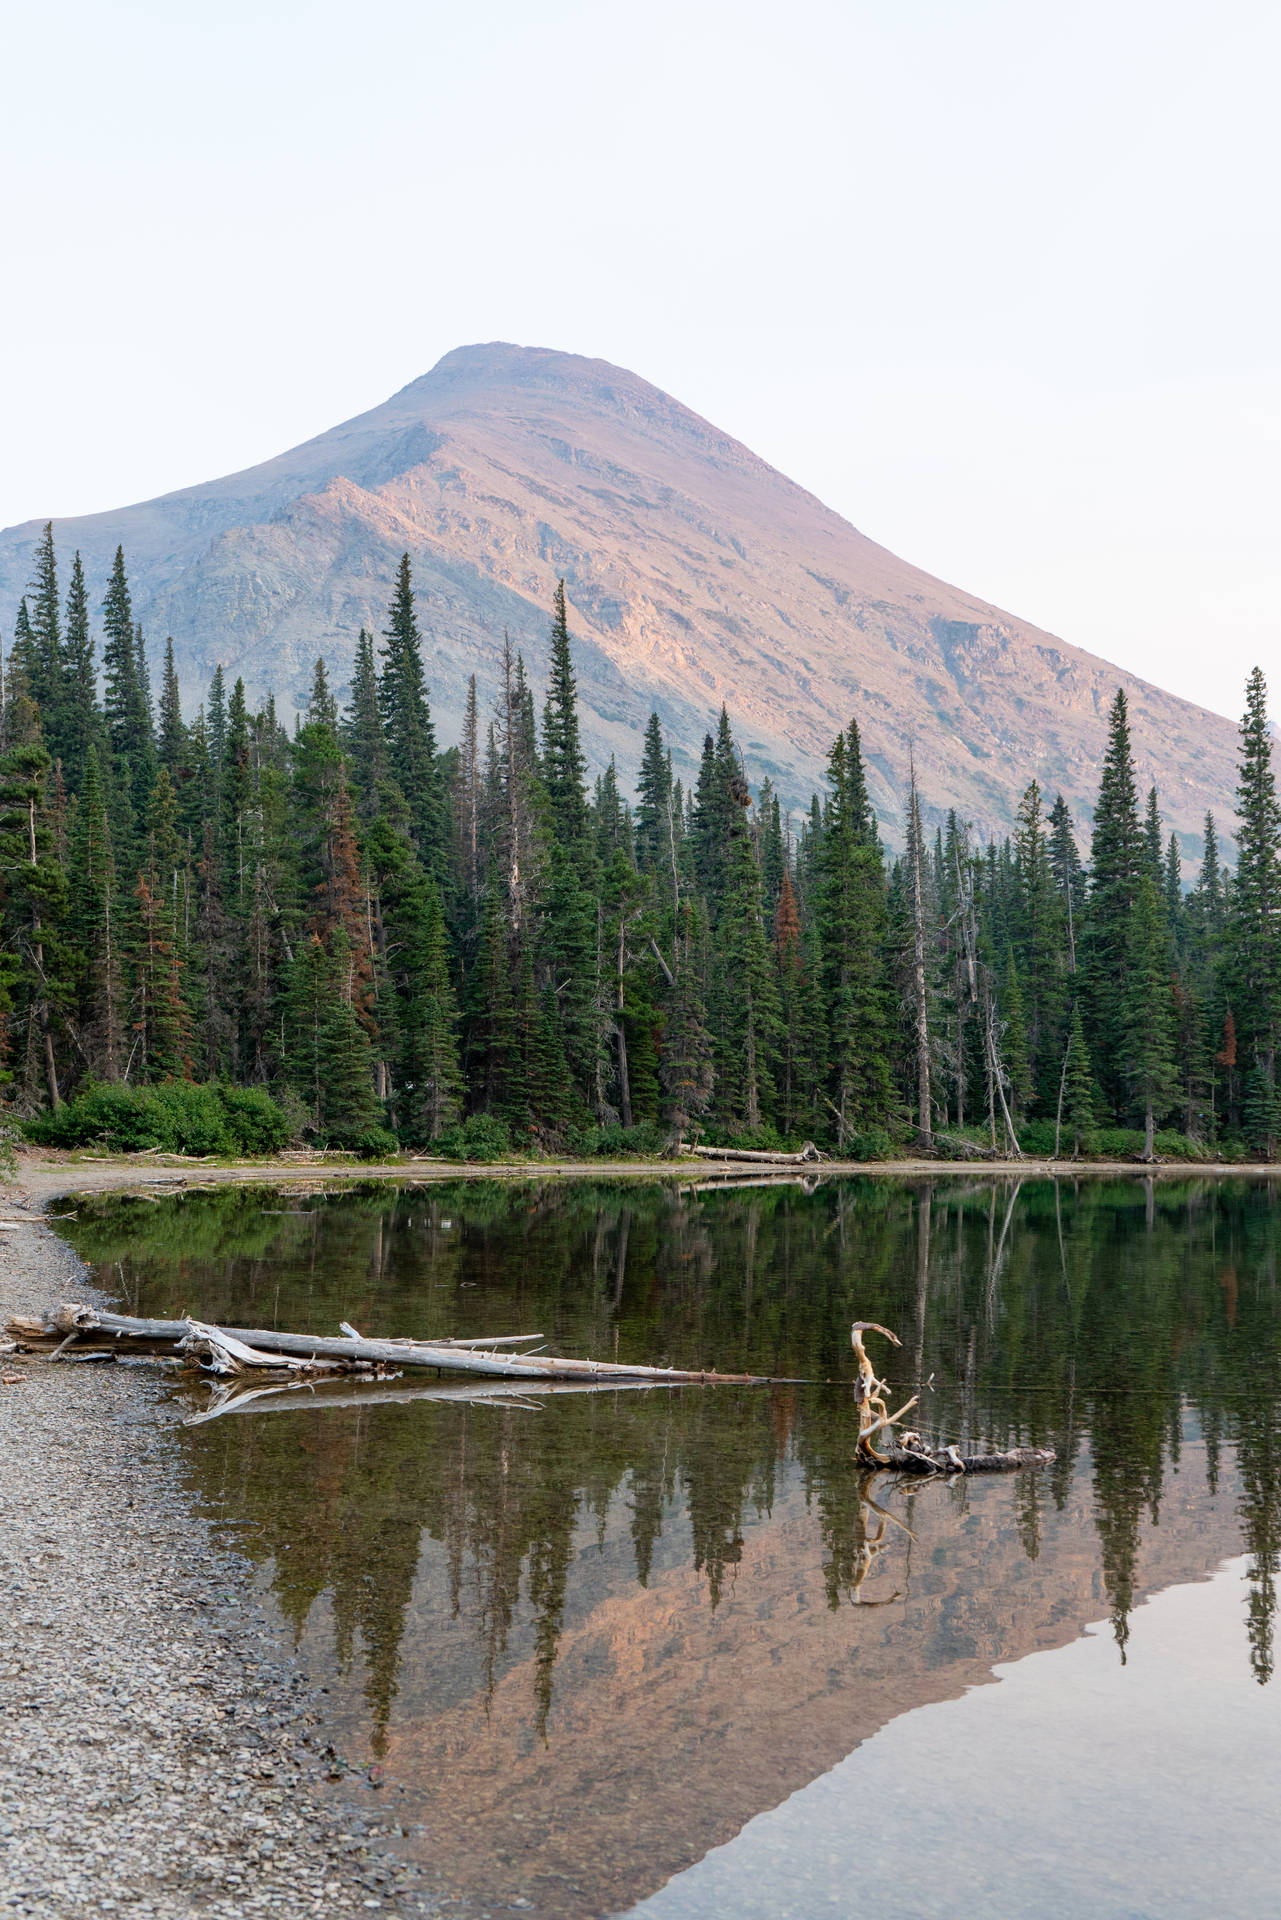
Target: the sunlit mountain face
pixel 696 574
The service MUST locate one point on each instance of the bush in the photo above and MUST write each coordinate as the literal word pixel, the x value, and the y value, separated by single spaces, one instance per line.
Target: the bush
pixel 257 1122
pixel 872 1144
pixel 483 1137
pixel 376 1143
pixel 174 1117
pixel 608 1142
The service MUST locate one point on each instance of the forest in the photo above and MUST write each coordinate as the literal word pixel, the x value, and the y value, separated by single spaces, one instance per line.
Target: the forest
pixel 218 934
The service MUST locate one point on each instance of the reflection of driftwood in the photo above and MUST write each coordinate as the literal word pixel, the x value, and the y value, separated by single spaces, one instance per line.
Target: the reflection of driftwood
pixel 285 1396
pixel 263 1347
pixel 912 1455
pixel 808 1154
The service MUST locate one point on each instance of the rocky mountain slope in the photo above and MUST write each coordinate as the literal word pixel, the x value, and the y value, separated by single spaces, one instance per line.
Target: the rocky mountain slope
pixel 696 575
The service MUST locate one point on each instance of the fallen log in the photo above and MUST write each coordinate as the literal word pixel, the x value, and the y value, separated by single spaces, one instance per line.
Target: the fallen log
pixel 808 1154
pixel 87 1324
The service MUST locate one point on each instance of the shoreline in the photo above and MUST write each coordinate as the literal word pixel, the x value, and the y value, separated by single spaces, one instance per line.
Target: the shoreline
pixel 164 1754
pixel 43 1177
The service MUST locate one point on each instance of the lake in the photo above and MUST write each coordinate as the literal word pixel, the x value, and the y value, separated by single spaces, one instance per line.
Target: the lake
pixel 665 1651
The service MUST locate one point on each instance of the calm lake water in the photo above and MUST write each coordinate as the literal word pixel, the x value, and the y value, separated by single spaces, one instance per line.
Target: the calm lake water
pixel 665 1651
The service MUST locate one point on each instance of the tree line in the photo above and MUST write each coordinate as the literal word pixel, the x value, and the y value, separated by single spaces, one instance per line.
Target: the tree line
pixel 474 946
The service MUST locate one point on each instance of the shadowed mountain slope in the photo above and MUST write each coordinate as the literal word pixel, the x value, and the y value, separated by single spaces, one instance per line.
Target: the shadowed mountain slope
pixel 696 575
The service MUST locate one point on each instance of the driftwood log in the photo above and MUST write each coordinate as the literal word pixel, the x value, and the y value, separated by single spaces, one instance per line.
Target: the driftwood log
pixel 233 1349
pixel 911 1454
pixel 807 1156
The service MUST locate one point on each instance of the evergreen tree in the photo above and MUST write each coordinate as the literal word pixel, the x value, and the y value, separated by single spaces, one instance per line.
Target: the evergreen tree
pixel 654 788
pixel 330 1058
pixel 93 932
pixel 686 1073
pixel 852 928
pixel 1116 868
pixel 363 738
pixel 1255 932
pixel 46 676
pixel 82 719
pixel 35 907
pixel 429 1080
pixel 411 737
pixel 1148 1036
pixel 1078 1103
pixel 171 743
pixel 564 766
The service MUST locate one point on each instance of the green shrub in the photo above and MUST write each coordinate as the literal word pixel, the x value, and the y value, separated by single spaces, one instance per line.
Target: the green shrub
pixel 177 1116
pixel 257 1122
pixel 483 1137
pixel 873 1143
pixel 646 1137
pixel 376 1143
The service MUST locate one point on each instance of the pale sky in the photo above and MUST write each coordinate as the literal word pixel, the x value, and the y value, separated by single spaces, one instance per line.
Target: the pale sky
pixel 999 282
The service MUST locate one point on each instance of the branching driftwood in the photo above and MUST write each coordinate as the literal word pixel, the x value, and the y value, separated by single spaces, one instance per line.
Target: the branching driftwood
pixel 228 1350
pixel 911 1455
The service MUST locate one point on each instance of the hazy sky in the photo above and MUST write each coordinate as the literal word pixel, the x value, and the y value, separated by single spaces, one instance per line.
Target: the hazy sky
pixel 999 282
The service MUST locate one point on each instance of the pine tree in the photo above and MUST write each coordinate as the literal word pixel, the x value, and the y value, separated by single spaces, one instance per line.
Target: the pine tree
pixel 171 742
pixel 93 931
pixel 1078 1104
pixel 429 1080
pixel 1148 1035
pixel 1255 928
pixel 411 737
pixel 128 717
pixel 654 788
pixel 35 906
pixel 686 1073
pixel 852 927
pixel 1117 866
pixel 82 719
pixel 363 738
pixel 330 1058
pixel 564 765
pixel 46 675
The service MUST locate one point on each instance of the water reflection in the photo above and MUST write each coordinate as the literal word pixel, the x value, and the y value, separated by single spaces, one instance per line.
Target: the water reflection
pixel 606 1630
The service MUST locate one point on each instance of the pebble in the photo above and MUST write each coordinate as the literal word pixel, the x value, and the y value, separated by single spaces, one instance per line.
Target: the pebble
pixel 160 1754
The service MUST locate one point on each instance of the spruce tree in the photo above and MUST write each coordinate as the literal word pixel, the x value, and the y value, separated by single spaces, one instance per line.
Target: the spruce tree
pixel 171 741
pixel 1255 923
pixel 429 1078
pixel 362 734
pixel 564 765
pixel 851 914
pixel 654 790
pixel 82 719
pixel 46 674
pixel 1078 1102
pixel 94 932
pixel 1147 1053
pixel 411 737
pixel 1116 868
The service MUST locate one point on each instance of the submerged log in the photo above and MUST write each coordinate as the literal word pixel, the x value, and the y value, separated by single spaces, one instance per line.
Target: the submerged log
pixel 86 1324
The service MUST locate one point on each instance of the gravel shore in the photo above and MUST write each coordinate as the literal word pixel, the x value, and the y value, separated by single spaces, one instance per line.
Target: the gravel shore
pixel 159 1753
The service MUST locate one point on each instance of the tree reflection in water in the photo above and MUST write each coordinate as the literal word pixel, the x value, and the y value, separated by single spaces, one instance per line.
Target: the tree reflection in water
pixel 1107 1316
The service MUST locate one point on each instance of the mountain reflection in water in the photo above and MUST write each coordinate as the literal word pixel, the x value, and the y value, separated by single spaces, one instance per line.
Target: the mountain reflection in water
pixel 596 1635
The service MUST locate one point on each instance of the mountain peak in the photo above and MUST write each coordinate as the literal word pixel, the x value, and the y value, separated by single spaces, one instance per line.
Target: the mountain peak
pixel 697 575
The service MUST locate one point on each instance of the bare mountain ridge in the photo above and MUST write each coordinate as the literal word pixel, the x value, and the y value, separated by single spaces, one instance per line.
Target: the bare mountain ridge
pixel 696 575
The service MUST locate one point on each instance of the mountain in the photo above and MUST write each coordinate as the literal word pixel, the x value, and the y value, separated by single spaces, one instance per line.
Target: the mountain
pixel 696 575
